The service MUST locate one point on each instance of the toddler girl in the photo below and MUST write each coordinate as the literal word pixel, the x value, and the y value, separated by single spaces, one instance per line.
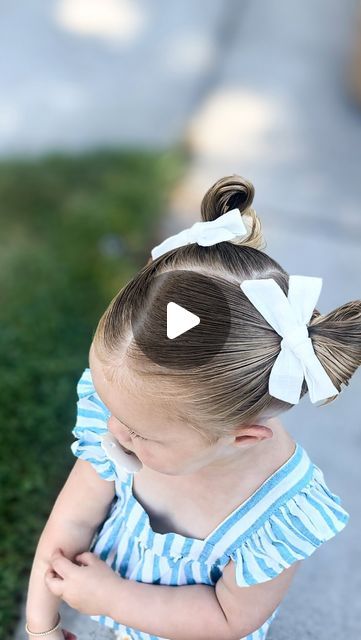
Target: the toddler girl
pixel 190 507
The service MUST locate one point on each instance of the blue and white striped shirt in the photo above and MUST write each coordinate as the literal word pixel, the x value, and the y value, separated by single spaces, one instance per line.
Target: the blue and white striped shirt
pixel 291 514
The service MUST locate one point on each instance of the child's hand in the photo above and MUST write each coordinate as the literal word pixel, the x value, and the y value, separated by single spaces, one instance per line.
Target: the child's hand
pixel 67 635
pixel 87 587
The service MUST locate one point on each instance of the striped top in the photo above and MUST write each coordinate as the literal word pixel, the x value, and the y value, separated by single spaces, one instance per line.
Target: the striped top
pixel 291 514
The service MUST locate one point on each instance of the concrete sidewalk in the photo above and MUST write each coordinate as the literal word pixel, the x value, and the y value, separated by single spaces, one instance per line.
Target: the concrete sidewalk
pixel 77 75
pixel 280 116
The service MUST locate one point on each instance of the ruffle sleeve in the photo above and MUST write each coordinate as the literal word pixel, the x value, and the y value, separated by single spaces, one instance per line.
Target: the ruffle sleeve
pixel 292 532
pixel 91 425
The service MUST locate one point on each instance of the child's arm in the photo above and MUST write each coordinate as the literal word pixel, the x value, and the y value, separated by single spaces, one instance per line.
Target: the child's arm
pixel 198 611
pixel 41 605
pixel 175 612
pixel 80 508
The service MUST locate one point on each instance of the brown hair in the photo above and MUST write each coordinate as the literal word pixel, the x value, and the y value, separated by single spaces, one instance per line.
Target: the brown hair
pixel 232 388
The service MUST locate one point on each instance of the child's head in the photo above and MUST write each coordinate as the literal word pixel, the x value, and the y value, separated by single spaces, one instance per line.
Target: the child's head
pixel 225 399
pixel 163 440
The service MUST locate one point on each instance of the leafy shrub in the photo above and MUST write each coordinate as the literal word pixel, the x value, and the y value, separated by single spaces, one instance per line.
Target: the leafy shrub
pixel 73 231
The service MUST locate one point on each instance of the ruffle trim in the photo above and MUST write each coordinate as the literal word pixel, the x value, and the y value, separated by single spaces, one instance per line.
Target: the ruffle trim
pixel 292 532
pixel 90 450
pixel 91 424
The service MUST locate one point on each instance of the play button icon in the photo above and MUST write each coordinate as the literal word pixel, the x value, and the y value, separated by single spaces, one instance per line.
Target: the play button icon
pixel 179 320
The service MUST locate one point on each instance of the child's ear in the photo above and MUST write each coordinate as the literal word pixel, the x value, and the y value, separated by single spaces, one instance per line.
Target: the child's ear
pixel 251 434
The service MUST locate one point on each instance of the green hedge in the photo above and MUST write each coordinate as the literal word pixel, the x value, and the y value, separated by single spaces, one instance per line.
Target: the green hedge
pixel 73 231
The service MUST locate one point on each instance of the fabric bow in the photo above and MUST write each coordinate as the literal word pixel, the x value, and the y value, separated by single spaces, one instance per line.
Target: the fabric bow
pixel 226 227
pixel 289 316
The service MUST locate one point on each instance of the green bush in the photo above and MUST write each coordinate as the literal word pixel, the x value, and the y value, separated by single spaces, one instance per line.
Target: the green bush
pixel 73 231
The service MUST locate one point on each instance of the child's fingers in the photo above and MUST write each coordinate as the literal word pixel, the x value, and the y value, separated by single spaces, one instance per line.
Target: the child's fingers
pixel 68 635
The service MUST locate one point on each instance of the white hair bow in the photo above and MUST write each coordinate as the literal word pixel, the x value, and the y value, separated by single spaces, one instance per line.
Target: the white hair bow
pixel 288 316
pixel 226 227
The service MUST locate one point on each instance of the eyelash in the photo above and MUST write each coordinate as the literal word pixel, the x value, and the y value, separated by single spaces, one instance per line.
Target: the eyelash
pixel 136 435
pixel 132 433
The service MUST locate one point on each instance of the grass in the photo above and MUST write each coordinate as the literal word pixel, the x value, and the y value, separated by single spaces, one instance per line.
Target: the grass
pixel 74 229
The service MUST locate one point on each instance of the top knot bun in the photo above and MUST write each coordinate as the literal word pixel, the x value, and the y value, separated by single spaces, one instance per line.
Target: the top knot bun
pixel 234 192
pixel 231 192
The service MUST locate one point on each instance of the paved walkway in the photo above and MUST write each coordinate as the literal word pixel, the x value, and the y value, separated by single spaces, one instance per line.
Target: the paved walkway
pixel 273 106
pixel 82 73
pixel 280 115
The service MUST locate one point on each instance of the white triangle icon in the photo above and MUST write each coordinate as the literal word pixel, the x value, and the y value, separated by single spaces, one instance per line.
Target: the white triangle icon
pixel 179 320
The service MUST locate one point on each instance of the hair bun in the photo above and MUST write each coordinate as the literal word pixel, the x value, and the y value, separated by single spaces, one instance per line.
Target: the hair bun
pixel 231 192
pixel 234 192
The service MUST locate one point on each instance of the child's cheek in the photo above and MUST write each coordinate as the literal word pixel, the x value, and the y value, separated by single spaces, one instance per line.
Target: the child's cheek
pixel 155 456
